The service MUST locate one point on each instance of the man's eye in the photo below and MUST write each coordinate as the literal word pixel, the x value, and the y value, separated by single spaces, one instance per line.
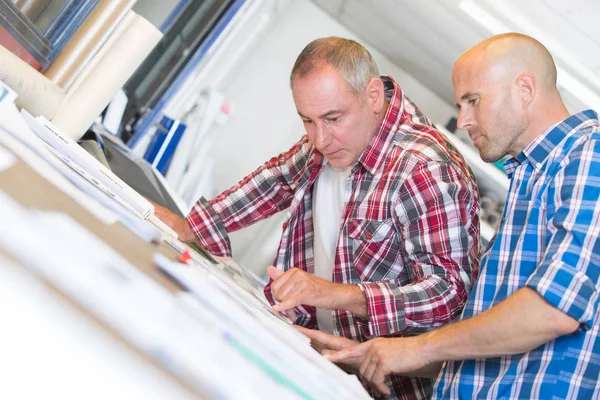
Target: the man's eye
pixel 333 119
pixel 306 121
pixel 473 102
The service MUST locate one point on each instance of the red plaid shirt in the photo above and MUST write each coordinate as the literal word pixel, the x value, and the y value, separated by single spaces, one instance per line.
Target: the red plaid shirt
pixel 410 232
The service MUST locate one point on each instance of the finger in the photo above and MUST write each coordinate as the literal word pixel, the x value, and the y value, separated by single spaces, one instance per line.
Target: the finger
pixel 291 289
pixel 379 382
pixel 306 331
pixel 151 202
pixel 353 352
pixel 324 339
pixel 281 281
pixel 291 314
pixel 286 305
pixel 294 284
pixel 312 334
pixel 368 367
pixel 377 392
pixel 366 362
pixel 376 371
pixel 274 273
pixel 353 362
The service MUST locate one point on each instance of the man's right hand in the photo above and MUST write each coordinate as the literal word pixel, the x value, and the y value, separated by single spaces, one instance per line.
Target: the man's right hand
pixel 175 222
pixel 381 357
pixel 327 344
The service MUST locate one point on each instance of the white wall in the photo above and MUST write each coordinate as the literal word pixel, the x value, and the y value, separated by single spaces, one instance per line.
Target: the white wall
pixel 265 123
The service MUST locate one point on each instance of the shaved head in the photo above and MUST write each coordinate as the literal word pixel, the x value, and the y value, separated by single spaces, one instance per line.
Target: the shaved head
pixel 507 55
pixel 506 95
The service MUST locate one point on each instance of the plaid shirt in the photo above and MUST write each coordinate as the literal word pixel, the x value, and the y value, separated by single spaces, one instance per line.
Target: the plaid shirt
pixel 410 231
pixel 548 241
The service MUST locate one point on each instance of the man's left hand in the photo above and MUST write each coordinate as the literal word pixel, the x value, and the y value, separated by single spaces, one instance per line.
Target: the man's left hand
pixel 296 287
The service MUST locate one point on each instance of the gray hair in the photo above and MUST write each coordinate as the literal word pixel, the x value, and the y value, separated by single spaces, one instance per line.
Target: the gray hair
pixel 351 59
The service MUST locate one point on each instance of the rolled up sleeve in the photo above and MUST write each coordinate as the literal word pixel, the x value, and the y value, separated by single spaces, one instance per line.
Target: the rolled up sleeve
pixel 568 275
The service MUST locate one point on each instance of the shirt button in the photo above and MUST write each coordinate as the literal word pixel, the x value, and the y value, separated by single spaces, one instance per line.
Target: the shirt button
pixel 369 235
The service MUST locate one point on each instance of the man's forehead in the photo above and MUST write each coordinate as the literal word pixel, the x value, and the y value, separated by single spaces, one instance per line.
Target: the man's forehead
pixel 323 90
pixel 469 75
pixel 467 84
pixel 316 72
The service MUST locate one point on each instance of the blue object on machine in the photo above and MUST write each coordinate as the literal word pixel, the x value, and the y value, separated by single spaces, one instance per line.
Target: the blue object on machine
pixel 164 143
pixel 146 121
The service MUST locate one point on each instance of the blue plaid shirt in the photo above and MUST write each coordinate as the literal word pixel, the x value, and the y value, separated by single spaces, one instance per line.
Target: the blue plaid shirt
pixel 548 241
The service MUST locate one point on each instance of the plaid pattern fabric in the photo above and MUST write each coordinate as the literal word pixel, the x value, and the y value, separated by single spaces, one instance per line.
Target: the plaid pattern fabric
pixel 548 241
pixel 410 231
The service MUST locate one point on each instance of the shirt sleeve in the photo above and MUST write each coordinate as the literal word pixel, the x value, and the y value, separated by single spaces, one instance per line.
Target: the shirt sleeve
pixel 568 275
pixel 437 216
pixel 261 194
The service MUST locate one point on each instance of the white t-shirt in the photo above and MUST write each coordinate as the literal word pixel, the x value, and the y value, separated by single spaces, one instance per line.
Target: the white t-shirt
pixel 328 205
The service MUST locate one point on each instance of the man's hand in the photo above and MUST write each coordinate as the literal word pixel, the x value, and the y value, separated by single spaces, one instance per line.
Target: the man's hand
pixel 295 287
pixel 381 357
pixel 326 344
pixel 175 222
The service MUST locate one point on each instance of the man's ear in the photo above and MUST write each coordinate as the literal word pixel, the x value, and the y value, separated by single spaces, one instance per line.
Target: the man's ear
pixel 376 95
pixel 527 86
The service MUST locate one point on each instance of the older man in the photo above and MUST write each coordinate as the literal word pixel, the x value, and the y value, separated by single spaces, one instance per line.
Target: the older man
pixel 382 234
pixel 530 329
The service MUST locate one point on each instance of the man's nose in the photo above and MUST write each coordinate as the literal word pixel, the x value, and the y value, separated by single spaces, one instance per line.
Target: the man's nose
pixel 322 137
pixel 465 120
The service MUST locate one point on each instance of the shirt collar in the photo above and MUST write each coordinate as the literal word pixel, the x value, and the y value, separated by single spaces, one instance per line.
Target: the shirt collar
pixel 539 149
pixel 400 108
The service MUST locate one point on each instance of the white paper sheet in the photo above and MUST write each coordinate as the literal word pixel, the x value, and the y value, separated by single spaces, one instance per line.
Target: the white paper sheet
pixel 274 346
pixel 45 340
pixel 7 159
pixel 144 313
pixel 71 150
pixel 16 136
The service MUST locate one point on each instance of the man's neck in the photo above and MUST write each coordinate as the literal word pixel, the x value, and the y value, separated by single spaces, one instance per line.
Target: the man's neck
pixel 544 118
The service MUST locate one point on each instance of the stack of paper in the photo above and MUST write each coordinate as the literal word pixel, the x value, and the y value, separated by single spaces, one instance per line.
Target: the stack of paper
pixel 232 298
pixel 70 149
pixel 76 158
pixel 70 178
pixel 216 341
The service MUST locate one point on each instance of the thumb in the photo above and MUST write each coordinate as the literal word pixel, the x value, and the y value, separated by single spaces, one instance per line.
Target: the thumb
pixel 285 305
pixel 274 273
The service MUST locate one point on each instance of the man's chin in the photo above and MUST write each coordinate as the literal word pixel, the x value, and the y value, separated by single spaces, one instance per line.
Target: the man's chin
pixel 490 158
pixel 339 163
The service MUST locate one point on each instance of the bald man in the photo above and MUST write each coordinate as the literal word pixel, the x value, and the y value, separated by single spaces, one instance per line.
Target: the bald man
pixel 530 327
